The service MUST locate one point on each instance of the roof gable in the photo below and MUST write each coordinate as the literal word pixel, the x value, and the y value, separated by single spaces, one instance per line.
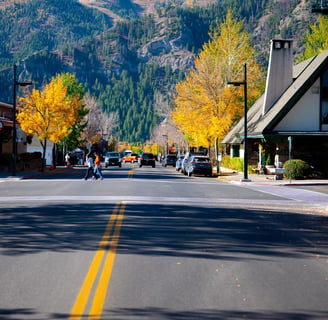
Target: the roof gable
pixel 304 75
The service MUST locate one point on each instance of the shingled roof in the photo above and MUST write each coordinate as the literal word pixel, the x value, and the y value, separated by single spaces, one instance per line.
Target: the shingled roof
pixel 259 124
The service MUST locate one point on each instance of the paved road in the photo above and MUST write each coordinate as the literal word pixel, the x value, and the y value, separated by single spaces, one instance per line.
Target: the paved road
pixel 150 243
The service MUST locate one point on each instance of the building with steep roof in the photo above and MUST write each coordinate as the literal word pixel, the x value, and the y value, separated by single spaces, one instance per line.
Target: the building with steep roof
pixel 294 106
pixel 6 127
pixel 6 132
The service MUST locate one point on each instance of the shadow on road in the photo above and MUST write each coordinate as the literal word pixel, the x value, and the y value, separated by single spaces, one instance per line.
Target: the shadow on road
pixel 157 313
pixel 170 230
pixel 164 314
pixel 166 230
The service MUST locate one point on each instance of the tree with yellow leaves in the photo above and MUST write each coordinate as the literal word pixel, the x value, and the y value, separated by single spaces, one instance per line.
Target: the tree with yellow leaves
pixel 49 114
pixel 75 89
pixel 316 40
pixel 205 108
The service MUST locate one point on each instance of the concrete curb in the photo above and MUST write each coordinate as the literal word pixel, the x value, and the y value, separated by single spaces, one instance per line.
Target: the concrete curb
pixel 34 174
pixel 264 180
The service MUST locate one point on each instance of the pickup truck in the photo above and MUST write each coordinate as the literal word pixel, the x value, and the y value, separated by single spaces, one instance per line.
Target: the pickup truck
pixel 113 159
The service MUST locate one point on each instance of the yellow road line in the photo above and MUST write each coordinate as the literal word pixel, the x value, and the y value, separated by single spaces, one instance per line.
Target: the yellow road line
pixel 131 171
pixel 83 296
pixel 99 299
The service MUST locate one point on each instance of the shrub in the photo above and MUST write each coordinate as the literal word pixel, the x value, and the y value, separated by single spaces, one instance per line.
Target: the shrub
pixel 37 155
pixel 28 156
pixel 237 164
pixel 233 163
pixel 225 161
pixel 5 159
pixel 299 169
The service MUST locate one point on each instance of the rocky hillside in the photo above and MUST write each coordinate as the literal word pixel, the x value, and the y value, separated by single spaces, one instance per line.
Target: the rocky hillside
pixel 139 6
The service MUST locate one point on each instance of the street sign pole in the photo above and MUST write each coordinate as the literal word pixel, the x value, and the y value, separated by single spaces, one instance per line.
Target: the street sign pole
pixel 290 139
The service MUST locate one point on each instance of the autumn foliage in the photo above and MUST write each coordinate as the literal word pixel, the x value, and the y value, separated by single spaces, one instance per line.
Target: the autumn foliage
pixel 49 114
pixel 205 107
pixel 316 40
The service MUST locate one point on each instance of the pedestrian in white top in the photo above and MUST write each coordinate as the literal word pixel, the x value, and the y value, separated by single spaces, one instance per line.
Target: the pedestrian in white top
pixel 89 161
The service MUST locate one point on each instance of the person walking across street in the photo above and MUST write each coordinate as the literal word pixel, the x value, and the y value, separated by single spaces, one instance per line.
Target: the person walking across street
pixel 97 170
pixel 89 161
pixel 67 157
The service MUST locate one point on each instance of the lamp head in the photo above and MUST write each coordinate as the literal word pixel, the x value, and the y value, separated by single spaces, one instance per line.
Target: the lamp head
pixel 236 83
pixel 25 84
pixel 321 9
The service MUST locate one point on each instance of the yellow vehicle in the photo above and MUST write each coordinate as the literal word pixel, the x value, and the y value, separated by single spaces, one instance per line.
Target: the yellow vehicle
pixel 130 157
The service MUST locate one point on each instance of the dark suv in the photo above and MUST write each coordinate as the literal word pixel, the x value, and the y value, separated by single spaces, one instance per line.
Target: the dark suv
pixel 199 165
pixel 113 159
pixel 146 159
pixel 169 160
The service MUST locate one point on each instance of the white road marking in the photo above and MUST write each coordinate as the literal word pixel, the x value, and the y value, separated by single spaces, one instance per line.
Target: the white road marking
pixel 146 199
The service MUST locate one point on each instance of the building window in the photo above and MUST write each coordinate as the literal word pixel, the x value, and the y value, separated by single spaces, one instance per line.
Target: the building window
pixel 235 151
pixel 324 101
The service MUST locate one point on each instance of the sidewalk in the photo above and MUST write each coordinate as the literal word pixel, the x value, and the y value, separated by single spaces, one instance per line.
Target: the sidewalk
pixel 264 179
pixel 33 174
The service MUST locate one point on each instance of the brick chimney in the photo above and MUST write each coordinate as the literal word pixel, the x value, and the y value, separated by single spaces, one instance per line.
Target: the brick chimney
pixel 280 72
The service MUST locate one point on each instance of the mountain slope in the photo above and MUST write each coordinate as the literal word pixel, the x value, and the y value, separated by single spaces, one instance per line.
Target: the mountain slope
pixel 130 54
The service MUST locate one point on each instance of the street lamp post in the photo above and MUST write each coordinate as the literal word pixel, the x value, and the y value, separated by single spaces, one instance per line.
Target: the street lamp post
pixel 237 84
pixel 14 153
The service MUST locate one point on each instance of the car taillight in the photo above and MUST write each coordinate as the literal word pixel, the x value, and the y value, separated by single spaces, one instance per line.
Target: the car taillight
pixel 192 162
pixel 140 158
pixel 154 159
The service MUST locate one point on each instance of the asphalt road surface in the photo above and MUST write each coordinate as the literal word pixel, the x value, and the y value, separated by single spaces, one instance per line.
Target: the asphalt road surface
pixel 150 243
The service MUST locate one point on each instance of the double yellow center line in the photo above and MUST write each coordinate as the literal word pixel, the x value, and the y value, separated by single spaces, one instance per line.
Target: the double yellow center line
pixel 131 171
pixel 107 251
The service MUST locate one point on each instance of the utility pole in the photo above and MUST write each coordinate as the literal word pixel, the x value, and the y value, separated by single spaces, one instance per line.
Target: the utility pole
pixel 237 84
pixel 14 135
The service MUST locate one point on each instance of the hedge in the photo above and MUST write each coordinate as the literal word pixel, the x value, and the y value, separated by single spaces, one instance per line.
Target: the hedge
pixel 233 163
pixel 299 169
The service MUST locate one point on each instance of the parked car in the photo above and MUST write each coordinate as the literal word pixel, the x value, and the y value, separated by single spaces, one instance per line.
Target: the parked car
pixel 113 159
pixel 146 159
pixel 178 163
pixel 187 157
pixel 199 165
pixel 169 160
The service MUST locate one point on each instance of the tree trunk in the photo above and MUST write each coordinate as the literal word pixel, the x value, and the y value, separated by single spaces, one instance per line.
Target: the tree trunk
pixel 44 146
pixel 54 156
pixel 216 150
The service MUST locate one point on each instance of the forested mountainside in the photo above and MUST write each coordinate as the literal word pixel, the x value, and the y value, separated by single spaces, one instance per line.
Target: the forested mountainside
pixel 130 54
